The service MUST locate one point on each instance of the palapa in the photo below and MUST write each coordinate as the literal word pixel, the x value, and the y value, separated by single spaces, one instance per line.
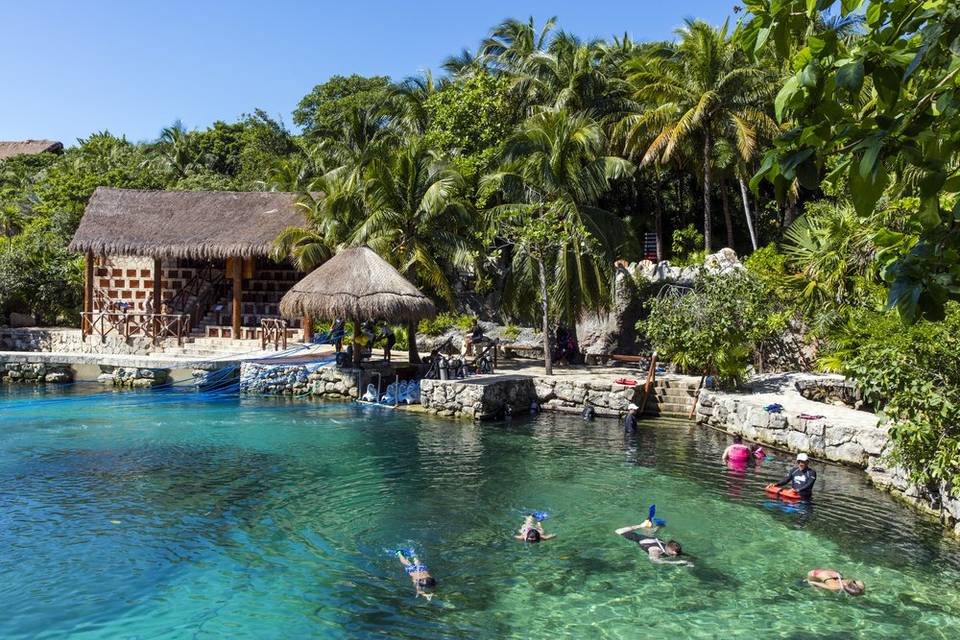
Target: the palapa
pixel 357 284
pixel 10 148
pixel 200 225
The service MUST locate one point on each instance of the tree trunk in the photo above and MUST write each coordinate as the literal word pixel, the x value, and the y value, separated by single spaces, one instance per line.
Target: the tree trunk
pixel 727 220
pixel 789 212
pixel 547 356
pixel 658 225
pixel 412 352
pixel 707 186
pixel 746 212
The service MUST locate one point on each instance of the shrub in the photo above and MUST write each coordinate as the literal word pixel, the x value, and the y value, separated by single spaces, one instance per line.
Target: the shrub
pixel 511 332
pixel 444 322
pixel 687 246
pixel 912 374
pixel 715 327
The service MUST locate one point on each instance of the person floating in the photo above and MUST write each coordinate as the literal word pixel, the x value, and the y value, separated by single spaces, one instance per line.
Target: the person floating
pixel 657 550
pixel 736 453
pixel 630 422
pixel 832 581
pixel 418 573
pixel 532 528
pixel 801 478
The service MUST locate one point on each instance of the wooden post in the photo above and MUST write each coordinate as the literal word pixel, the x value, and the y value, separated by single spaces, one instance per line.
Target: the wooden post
pixel 648 385
pixel 157 295
pixel 85 328
pixel 357 349
pixel 237 296
pixel 307 328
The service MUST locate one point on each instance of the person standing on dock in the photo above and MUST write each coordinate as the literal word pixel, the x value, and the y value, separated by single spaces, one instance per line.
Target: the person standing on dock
pixel 630 422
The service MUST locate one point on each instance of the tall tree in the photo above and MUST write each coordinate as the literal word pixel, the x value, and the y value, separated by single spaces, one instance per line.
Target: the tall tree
pixel 553 171
pixel 416 218
pixel 695 93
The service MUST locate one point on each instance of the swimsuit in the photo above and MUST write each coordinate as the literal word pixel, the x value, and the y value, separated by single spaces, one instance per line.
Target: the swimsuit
pixel 415 568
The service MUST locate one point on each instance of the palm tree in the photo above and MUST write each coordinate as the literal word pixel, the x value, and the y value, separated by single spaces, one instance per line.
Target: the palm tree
pixel 553 171
pixel 417 218
pixel 511 42
pixel 696 93
pixel 11 222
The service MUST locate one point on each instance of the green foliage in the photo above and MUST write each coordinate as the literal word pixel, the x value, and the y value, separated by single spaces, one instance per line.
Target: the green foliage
pixel 880 111
pixel 911 373
pixel 714 327
pixel 444 322
pixel 321 110
pixel 687 246
pixel 471 119
pixel 38 276
pixel 511 332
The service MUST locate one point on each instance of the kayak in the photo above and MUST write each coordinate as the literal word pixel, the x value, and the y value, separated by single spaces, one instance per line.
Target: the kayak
pixel 626 382
pixel 783 494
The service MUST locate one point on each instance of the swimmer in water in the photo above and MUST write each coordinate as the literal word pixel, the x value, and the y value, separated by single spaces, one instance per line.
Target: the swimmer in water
pixel 657 550
pixel 422 580
pixel 736 452
pixel 532 530
pixel 832 581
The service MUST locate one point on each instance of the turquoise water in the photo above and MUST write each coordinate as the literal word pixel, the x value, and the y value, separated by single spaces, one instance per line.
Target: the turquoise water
pixel 169 516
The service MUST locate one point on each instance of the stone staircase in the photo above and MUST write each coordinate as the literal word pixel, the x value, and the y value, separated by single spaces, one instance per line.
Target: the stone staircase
pixel 672 396
pixel 217 348
pixel 261 300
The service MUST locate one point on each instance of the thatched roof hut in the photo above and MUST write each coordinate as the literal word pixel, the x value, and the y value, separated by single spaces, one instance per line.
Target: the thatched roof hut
pixel 10 148
pixel 357 284
pixel 200 225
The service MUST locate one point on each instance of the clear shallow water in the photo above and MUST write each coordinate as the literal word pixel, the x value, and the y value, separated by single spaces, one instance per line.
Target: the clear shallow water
pixel 166 516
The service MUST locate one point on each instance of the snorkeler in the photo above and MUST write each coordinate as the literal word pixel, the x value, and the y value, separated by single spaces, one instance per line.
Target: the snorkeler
pixel 532 529
pixel 418 573
pixel 657 550
pixel 832 581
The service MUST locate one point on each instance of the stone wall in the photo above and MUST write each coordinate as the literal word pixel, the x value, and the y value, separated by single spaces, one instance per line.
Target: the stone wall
pixel 855 441
pixel 66 340
pixel 314 379
pixel 486 398
pixel 36 373
pixel 133 377
pixel 851 437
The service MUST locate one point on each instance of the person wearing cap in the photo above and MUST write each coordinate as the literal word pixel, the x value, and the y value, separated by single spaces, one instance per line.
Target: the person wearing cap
pixel 630 422
pixel 800 478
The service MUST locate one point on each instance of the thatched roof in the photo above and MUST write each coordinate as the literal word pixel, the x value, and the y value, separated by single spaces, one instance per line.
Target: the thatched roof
pixel 184 224
pixel 356 283
pixel 11 148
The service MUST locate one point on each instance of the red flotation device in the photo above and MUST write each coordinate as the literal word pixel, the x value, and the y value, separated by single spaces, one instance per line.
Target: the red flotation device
pixel 626 382
pixel 784 494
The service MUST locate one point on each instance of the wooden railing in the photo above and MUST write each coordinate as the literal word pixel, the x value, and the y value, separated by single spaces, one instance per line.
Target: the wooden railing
pixel 273 331
pixel 155 326
pixel 203 289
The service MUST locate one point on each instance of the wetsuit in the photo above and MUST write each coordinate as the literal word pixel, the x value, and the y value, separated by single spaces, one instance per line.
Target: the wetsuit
pixel 630 423
pixel 801 481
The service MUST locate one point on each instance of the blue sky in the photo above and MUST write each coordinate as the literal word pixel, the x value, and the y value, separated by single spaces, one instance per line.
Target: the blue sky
pixel 133 67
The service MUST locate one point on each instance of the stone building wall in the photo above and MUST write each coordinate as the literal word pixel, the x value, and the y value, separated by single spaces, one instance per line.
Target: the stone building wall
pixel 130 278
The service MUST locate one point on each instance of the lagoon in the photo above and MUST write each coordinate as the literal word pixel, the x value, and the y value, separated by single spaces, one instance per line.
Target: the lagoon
pixel 173 514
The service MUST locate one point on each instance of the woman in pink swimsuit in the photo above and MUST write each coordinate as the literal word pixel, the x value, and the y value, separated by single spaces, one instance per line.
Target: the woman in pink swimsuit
pixel 736 454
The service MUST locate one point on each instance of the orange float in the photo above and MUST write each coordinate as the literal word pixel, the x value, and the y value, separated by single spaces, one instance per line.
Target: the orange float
pixel 784 494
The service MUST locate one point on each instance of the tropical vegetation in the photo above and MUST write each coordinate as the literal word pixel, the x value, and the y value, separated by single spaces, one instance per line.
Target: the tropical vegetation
pixel 820 135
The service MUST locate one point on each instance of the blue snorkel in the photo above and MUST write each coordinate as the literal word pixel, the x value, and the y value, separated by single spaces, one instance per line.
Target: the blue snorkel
pixel 657 521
